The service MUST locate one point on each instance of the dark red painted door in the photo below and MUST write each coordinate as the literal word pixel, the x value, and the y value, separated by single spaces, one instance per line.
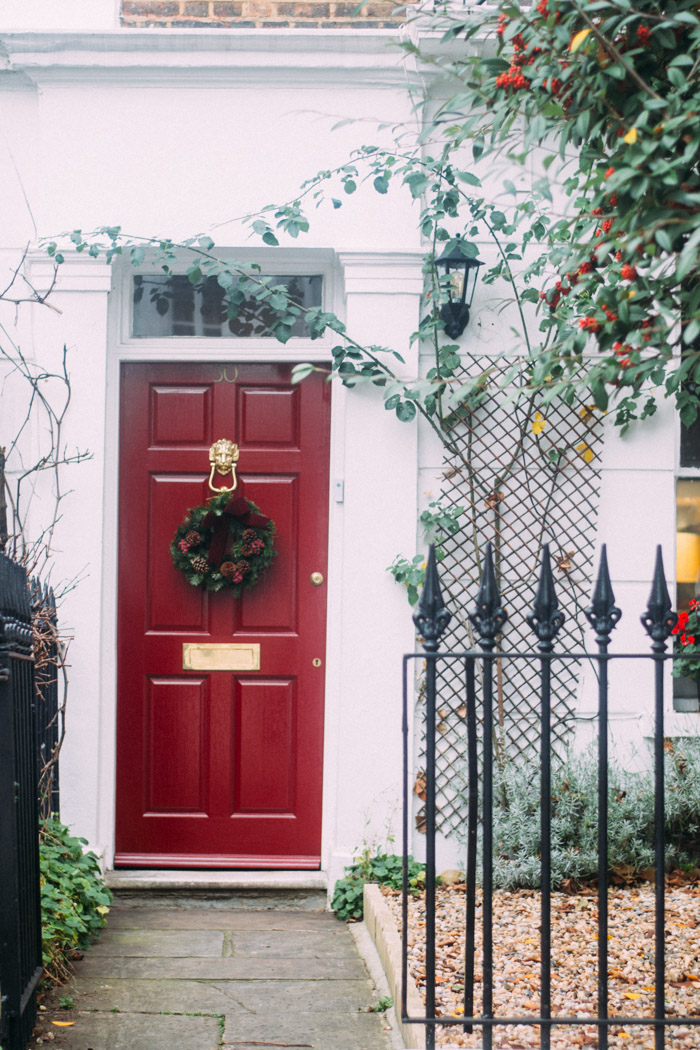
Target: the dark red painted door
pixel 220 768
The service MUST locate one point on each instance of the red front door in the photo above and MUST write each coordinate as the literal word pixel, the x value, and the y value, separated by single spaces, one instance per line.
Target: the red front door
pixel 220 768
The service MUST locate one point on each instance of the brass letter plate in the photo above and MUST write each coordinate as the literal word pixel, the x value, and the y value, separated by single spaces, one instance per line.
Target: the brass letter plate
pixel 232 656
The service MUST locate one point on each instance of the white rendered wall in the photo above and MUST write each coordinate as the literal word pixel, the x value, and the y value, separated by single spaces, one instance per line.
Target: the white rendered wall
pixel 174 151
pixel 85 15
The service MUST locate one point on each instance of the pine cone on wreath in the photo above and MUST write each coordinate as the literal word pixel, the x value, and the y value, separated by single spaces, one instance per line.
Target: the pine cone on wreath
pixel 243 567
pixel 228 570
pixel 193 538
pixel 200 565
pixel 249 535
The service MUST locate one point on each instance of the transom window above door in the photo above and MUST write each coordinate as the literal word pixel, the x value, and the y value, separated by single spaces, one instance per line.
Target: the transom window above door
pixel 172 306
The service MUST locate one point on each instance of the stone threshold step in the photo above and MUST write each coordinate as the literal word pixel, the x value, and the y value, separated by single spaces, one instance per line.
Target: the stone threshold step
pixel 151 879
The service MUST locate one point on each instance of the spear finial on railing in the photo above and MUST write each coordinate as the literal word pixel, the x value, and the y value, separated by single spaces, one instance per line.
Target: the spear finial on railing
pixel 659 619
pixel 488 615
pixel 546 618
pixel 602 614
pixel 431 617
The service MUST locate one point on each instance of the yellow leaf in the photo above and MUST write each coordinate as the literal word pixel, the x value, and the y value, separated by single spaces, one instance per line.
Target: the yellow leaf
pixel 63 1024
pixel 691 977
pixel 631 294
pixel 538 423
pixel 457 1012
pixel 586 453
pixel 578 40
pixel 649 988
pixel 631 136
pixel 625 1035
pixel 633 995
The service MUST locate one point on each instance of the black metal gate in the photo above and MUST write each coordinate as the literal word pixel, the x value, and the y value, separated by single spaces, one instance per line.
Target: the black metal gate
pixel 20 902
pixel 545 620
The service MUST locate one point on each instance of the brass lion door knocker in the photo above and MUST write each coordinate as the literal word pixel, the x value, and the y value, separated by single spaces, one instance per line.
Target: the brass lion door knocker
pixel 223 456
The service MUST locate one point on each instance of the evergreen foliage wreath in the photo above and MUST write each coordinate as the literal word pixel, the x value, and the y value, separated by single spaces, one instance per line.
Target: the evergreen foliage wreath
pixel 225 543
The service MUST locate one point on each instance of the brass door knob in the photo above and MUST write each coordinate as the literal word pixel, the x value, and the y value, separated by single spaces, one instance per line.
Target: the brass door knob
pixel 317 578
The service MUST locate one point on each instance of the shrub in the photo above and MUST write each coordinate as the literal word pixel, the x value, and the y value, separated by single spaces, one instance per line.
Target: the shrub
pixel 74 898
pixel 386 869
pixel 575 818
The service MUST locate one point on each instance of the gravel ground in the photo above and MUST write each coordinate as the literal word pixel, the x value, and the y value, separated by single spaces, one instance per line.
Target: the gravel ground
pixel 574 962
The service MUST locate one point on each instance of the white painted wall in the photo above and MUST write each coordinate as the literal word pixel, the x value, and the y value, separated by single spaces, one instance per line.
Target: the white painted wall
pixel 85 15
pixel 175 142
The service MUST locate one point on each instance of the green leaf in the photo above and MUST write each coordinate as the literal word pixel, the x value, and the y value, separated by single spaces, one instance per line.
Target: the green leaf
pixel 349 186
pixel 468 177
pixel 301 372
pixel 269 238
pixel 137 255
pixel 406 411
pixel 381 184
pixel 206 243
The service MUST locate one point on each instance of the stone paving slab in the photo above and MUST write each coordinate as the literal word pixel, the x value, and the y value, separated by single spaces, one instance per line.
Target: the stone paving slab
pixel 140 1032
pixel 125 918
pixel 127 994
pixel 276 944
pixel 156 943
pixel 299 967
pixel 256 979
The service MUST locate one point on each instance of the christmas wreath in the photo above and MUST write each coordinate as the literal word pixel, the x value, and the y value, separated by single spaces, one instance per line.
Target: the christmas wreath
pixel 224 543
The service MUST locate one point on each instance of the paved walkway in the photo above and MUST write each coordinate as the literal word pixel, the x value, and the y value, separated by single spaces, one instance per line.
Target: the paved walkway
pixel 193 975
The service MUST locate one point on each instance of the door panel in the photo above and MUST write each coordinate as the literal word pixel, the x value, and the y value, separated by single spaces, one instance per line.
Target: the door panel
pixel 220 769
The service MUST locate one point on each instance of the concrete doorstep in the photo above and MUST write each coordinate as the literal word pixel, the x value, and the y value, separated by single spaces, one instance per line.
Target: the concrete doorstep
pixel 187 974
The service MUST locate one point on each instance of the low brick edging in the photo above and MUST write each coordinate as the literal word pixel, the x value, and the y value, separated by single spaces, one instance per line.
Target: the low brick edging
pixel 384 932
pixel 250 14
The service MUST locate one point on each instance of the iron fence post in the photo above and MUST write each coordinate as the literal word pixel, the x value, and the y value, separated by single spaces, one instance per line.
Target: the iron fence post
pixel 488 617
pixel 431 620
pixel 659 621
pixel 546 621
pixel 603 615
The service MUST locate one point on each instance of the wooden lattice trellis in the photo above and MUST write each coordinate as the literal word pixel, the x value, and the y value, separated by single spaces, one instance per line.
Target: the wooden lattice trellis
pixel 527 473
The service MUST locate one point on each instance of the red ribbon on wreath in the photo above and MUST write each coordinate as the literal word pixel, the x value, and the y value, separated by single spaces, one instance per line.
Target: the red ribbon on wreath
pixel 237 508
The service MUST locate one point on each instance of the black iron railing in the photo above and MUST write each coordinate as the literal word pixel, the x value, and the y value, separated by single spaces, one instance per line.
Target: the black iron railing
pixel 488 618
pixel 20 905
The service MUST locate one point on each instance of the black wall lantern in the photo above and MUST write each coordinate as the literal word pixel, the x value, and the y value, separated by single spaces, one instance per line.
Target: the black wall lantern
pixel 462 272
